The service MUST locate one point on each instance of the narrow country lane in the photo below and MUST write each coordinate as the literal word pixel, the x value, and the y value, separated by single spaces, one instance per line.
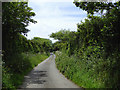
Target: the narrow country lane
pixel 46 75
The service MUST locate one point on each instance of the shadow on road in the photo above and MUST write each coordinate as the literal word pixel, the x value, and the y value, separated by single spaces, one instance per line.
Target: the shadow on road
pixel 35 77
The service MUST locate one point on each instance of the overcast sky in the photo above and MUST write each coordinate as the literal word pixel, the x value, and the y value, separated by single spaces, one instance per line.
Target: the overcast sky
pixel 53 16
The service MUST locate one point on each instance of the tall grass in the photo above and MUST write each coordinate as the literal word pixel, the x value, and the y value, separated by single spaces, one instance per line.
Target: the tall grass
pixel 18 66
pixel 85 74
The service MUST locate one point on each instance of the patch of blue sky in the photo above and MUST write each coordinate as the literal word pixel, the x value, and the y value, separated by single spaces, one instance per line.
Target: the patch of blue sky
pixel 54 16
pixel 75 15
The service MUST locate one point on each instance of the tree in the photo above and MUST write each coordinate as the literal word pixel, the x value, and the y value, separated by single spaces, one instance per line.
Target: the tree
pixel 45 45
pixel 16 16
pixel 94 7
pixel 62 35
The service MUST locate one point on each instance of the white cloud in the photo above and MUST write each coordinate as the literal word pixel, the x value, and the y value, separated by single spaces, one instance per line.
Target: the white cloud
pixel 52 17
pixel 39 1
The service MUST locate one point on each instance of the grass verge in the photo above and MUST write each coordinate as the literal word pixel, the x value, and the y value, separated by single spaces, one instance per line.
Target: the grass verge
pixel 13 72
pixel 74 69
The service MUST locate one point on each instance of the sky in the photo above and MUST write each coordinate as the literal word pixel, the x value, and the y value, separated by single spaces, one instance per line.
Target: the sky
pixel 52 16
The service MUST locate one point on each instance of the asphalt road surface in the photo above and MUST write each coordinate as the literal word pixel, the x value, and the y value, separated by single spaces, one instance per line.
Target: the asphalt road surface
pixel 46 75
